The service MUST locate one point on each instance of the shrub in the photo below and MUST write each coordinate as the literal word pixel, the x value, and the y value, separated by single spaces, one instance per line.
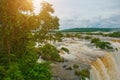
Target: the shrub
pixel 114 34
pixel 11 72
pixel 77 72
pixel 88 37
pixel 103 45
pixel 83 78
pixel 26 69
pixel 3 72
pixel 14 72
pixel 59 36
pixel 68 35
pixel 84 73
pixel 38 72
pixel 78 35
pixel 76 66
pixel 95 40
pixel 49 52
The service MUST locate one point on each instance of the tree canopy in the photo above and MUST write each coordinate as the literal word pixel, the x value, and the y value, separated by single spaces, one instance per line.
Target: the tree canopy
pixel 17 51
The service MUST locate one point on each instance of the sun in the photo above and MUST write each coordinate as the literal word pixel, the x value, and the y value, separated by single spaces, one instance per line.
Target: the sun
pixel 36 4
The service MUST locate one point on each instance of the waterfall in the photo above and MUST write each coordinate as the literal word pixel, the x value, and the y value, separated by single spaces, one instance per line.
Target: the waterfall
pixel 111 65
pixel 105 68
pixel 94 74
pixel 101 70
pixel 116 46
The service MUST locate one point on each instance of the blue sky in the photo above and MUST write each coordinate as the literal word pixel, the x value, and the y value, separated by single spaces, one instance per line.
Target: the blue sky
pixel 84 10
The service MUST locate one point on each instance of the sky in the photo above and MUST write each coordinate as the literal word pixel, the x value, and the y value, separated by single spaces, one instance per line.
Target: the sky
pixel 82 10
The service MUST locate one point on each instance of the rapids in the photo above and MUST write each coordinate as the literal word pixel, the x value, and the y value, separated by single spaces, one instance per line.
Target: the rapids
pixel 102 64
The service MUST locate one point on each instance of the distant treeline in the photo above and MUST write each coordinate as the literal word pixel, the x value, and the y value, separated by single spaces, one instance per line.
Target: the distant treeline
pixel 91 29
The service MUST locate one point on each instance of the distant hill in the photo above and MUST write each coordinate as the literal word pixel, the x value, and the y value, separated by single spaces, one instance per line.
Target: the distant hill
pixel 91 29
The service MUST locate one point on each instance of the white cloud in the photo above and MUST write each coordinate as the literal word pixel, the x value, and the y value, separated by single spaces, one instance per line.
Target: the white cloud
pixel 84 9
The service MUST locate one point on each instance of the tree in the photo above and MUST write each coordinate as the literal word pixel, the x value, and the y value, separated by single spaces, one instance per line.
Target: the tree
pixel 48 23
pixel 17 41
pixel 14 27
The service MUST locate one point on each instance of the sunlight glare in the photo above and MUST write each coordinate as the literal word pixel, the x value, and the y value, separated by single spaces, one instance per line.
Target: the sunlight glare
pixel 36 4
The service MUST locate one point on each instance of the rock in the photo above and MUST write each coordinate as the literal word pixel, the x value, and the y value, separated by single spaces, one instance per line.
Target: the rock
pixel 64 66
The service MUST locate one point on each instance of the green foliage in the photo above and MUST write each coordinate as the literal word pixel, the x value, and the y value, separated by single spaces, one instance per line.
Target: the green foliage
pixel 101 44
pixel 26 68
pixel 104 45
pixel 11 72
pixel 59 36
pixel 77 72
pixel 38 72
pixel 17 53
pixel 77 35
pixel 65 49
pixel 3 72
pixel 75 66
pixel 83 78
pixel 15 29
pixel 114 34
pixel 33 72
pixel 84 73
pixel 14 73
pixel 49 52
pixel 68 35
pixel 87 37
pixel 95 40
pixel 49 22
